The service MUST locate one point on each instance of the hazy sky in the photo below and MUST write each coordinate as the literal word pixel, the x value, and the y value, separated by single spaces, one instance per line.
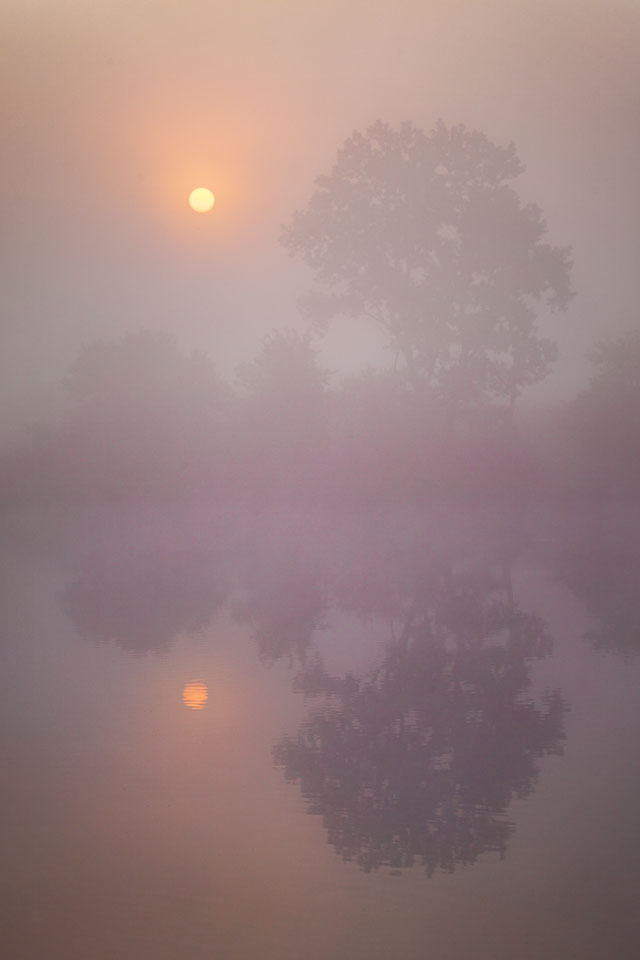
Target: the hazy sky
pixel 113 111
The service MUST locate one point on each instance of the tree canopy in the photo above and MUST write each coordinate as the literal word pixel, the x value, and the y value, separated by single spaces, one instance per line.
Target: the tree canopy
pixel 416 761
pixel 424 234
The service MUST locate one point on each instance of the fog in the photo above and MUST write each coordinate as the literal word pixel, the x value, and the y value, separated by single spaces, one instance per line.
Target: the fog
pixel 114 111
pixel 319 511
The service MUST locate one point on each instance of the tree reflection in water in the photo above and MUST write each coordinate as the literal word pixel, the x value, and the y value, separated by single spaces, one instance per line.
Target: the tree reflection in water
pixel 413 761
pixel 602 570
pixel 143 600
pixel 284 603
pixel 417 761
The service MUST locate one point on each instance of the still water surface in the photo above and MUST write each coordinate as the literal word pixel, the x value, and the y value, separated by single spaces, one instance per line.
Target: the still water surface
pixel 289 735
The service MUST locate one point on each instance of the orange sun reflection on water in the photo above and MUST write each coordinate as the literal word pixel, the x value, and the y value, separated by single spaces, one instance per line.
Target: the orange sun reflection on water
pixel 195 695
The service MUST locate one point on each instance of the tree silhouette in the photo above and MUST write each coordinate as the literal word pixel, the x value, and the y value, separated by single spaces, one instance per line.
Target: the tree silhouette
pixel 417 761
pixel 605 419
pixel 424 234
pixel 144 417
pixel 144 373
pixel 282 596
pixel 284 410
pixel 602 569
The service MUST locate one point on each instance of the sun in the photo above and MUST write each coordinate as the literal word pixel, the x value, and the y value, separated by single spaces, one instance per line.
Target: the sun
pixel 201 200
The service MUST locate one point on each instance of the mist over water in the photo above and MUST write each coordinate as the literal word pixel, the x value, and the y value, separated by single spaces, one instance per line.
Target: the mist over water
pixel 291 714
pixel 320 512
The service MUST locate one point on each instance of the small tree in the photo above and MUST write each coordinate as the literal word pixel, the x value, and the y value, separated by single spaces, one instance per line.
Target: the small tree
pixel 424 234
pixel 144 417
pixel 283 429
pixel 285 374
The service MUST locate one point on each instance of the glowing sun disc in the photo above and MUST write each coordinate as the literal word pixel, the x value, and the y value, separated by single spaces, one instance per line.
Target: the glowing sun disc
pixel 201 200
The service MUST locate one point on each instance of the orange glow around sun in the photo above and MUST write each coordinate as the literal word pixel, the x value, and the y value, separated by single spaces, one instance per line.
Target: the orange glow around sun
pixel 201 200
pixel 195 695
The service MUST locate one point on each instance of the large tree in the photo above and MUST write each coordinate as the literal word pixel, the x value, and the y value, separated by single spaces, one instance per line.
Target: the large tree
pixel 424 234
pixel 417 760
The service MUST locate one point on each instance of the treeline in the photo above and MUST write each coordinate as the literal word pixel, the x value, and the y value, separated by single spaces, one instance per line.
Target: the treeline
pixel 143 420
pixel 424 237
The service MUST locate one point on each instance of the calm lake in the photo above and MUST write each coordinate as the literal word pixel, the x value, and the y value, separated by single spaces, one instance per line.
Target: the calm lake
pixel 280 734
